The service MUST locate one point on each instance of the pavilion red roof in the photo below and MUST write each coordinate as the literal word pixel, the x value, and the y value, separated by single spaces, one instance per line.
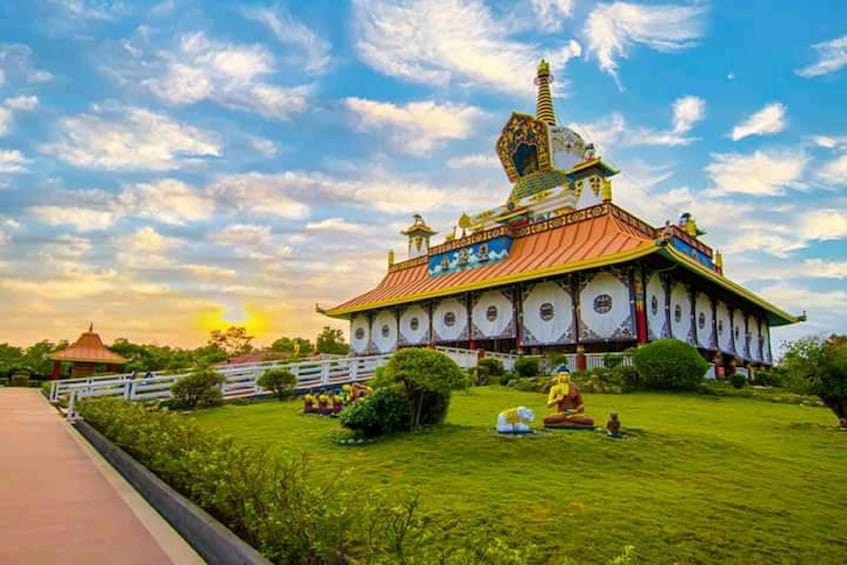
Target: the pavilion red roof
pixel 88 348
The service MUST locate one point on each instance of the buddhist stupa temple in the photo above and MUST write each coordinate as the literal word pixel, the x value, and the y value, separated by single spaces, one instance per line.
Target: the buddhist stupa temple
pixel 86 355
pixel 559 266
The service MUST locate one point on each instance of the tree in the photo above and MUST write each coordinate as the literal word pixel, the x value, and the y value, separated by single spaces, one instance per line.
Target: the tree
pixel 427 377
pixel 36 357
pixel 331 340
pixel 11 358
pixel 296 346
pixel 234 340
pixel 818 366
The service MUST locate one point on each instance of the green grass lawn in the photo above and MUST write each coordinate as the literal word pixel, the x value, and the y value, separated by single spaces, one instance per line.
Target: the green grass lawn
pixel 698 478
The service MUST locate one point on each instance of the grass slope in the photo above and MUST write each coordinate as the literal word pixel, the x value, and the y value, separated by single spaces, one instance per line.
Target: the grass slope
pixel 698 479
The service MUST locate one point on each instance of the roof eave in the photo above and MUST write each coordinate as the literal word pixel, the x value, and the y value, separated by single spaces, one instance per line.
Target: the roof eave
pixel 638 252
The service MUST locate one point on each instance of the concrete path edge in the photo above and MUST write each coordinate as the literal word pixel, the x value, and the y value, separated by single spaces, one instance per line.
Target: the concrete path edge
pixel 211 539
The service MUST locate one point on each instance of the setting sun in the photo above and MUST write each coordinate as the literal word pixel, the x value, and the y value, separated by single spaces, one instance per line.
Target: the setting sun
pixel 224 316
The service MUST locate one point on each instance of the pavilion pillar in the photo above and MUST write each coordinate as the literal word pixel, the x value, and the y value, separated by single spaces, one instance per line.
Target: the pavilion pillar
pixel 581 363
pixel 57 370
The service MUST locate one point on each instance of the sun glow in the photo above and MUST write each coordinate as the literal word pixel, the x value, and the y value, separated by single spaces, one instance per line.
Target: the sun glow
pixel 226 315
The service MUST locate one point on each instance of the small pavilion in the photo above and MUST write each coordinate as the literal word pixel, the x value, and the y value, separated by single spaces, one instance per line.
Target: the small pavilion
pixel 85 355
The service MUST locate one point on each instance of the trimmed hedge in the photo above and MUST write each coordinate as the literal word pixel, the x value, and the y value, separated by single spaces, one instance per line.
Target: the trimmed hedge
pixel 670 364
pixel 527 366
pixel 200 389
pixel 385 411
pixel 282 382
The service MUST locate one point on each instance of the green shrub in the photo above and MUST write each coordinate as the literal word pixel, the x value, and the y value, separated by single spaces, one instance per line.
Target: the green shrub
pixel 629 378
pixel 199 389
pixel 670 364
pixel 737 380
pixel 427 377
pixel 506 378
pixel 266 501
pixel 612 360
pixel 383 412
pixel 282 382
pixel 527 366
pixel 19 379
pixel 488 369
pixel 527 384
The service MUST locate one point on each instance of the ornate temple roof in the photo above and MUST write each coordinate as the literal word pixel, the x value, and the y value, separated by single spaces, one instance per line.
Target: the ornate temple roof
pixel 596 237
pixel 88 348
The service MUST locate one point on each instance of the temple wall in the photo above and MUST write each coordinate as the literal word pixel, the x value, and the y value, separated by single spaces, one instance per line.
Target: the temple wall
pixel 767 355
pixel 604 307
pixel 739 334
pixel 384 332
pixel 704 321
pixel 492 315
pixel 724 322
pixel 657 320
pixel 360 334
pixel 547 312
pixel 450 320
pixel 681 313
pixel 755 339
pixel 414 325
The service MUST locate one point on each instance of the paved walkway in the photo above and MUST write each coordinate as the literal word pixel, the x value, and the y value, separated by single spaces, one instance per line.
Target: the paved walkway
pixel 60 502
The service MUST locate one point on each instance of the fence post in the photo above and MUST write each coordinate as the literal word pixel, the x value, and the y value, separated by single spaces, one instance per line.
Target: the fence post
pixel 127 390
pixel 325 373
pixel 54 391
pixel 354 368
pixel 71 401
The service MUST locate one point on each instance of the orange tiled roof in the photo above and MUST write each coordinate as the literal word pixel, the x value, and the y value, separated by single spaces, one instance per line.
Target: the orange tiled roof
pixel 594 241
pixel 88 348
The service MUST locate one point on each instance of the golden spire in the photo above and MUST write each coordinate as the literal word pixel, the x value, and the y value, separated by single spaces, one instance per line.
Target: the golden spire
pixel 544 104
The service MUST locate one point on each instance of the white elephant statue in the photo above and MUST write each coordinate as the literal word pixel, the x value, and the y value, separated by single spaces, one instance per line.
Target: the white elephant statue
pixel 515 421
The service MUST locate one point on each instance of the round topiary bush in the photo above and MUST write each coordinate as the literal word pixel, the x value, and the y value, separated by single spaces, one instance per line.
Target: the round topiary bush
pixel 527 366
pixel 427 377
pixel 670 364
pixel 737 380
pixel 202 389
pixel 282 382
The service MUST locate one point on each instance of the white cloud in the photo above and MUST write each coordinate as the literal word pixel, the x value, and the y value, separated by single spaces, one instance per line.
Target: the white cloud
pixel 550 13
pixel 687 111
pixel 829 142
pixel 835 171
pixel 335 225
pixel 768 120
pixel 611 29
pixel 759 174
pixel 264 146
pixel 416 127
pixel 211 272
pixel 103 10
pixel 796 298
pixel 12 161
pixel 199 68
pixel 130 139
pixel 16 61
pixel 258 194
pixel 168 200
pixel 83 219
pixel 475 160
pixel 824 224
pixel 146 241
pixel 244 235
pixel 445 41
pixel 613 130
pixel 315 49
pixel 832 57
pixel 24 103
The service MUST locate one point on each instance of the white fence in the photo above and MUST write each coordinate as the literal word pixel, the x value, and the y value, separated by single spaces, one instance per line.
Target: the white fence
pixel 241 380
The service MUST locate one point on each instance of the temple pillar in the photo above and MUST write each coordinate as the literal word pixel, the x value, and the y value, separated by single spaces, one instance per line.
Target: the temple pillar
pixel 57 370
pixel 581 362
pixel 637 286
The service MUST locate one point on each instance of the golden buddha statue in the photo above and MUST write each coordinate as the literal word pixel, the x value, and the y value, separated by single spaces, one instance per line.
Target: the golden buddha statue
pixel 567 400
pixel 310 404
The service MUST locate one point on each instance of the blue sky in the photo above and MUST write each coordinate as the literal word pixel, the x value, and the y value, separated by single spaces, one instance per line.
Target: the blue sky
pixel 169 167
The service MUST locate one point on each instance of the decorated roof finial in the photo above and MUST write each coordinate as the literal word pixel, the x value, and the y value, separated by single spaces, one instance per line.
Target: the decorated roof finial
pixel 544 104
pixel 91 327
